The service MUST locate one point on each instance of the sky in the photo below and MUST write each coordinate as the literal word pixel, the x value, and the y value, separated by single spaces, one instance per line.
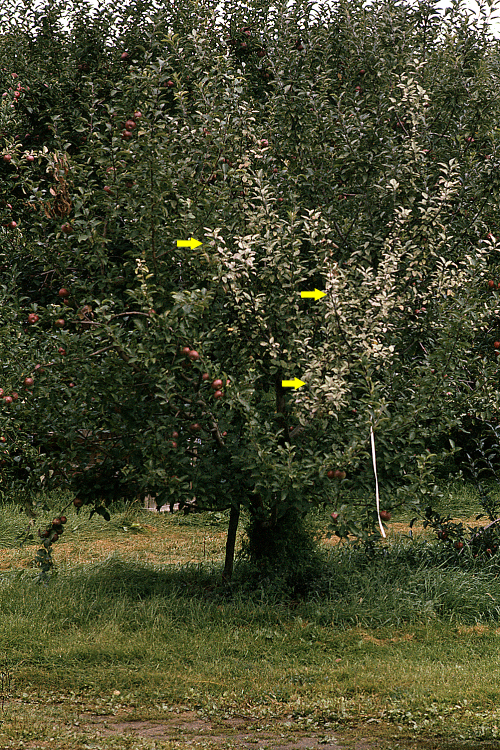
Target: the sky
pixel 471 5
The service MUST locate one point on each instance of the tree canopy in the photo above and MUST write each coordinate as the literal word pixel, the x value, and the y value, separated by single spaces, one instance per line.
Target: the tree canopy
pixel 353 150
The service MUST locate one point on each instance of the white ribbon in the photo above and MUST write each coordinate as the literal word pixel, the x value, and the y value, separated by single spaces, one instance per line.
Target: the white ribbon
pixel 382 530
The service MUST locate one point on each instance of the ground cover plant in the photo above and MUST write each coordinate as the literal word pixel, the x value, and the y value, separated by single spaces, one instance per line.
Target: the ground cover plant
pixel 134 641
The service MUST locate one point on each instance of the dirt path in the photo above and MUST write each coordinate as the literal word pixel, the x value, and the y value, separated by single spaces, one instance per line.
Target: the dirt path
pixel 185 729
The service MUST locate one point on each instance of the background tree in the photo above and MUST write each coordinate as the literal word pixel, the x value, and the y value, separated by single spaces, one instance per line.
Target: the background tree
pixel 353 152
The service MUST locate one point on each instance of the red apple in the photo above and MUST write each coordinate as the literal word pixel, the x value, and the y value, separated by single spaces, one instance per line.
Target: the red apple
pixel 497 344
pixel 170 84
pixel 3 439
pixel 385 515
pixel 335 517
pixel 224 434
pixel 459 545
pixel 63 292
pixel 61 350
pixel 67 229
pixel 12 224
pixel 175 434
pixel 195 427
pixel 193 355
pixel 71 385
pixel 130 125
pixel 137 114
pixel 7 157
pixel 33 318
pixel 15 395
pixel 77 502
pixel 56 521
pixel 107 189
pixel 205 376
pixel 264 142
pixel 126 134
pixel 8 399
pixel 63 519
pixel 218 394
pixel 28 382
pixel 60 322
pixel 174 444
pixel 217 384
pixel 330 474
pixel 185 350
pixel 124 56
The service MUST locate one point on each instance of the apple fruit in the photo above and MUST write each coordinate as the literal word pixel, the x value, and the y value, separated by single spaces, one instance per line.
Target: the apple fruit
pixel 8 399
pixel 459 545
pixel 67 229
pixel 335 517
pixel 218 394
pixel 77 502
pixel 175 434
pixel 497 344
pixel 195 427
pixel 7 158
pixel 30 157
pixel 205 376
pixel 63 519
pixel 55 537
pixel 130 125
pixel 264 142
pixel 330 474
pixel 442 535
pixel 107 189
pixel 61 350
pixel 224 434
pixel 185 350
pixel 28 382
pixel 63 292
pixel 71 385
pixel 174 444
pixel 126 134
pixel 193 355
pixel 33 318
pixel 12 224
pixel 137 114
pixel 3 439
pixel 170 84
pixel 56 521
pixel 59 323
pixel 124 56
pixel 15 396
pixel 385 515
pixel 217 384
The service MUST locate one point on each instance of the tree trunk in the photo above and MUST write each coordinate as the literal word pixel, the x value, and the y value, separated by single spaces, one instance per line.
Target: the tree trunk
pixel 234 517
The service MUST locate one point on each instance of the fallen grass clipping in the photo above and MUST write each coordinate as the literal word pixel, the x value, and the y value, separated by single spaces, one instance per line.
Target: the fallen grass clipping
pixel 136 643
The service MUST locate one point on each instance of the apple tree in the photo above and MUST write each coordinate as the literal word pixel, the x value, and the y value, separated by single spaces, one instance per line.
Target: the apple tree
pixel 354 155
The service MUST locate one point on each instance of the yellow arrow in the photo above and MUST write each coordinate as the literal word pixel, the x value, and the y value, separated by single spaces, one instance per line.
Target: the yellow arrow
pixel 296 383
pixel 192 243
pixel 315 295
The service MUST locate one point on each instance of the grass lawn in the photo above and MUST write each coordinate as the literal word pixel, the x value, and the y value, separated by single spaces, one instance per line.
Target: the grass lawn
pixel 136 643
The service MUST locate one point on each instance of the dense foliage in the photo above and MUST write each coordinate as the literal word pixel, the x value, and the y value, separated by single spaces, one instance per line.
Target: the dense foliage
pixel 352 150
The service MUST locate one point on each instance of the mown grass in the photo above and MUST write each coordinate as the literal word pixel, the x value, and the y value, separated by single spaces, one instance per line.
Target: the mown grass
pixel 135 614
